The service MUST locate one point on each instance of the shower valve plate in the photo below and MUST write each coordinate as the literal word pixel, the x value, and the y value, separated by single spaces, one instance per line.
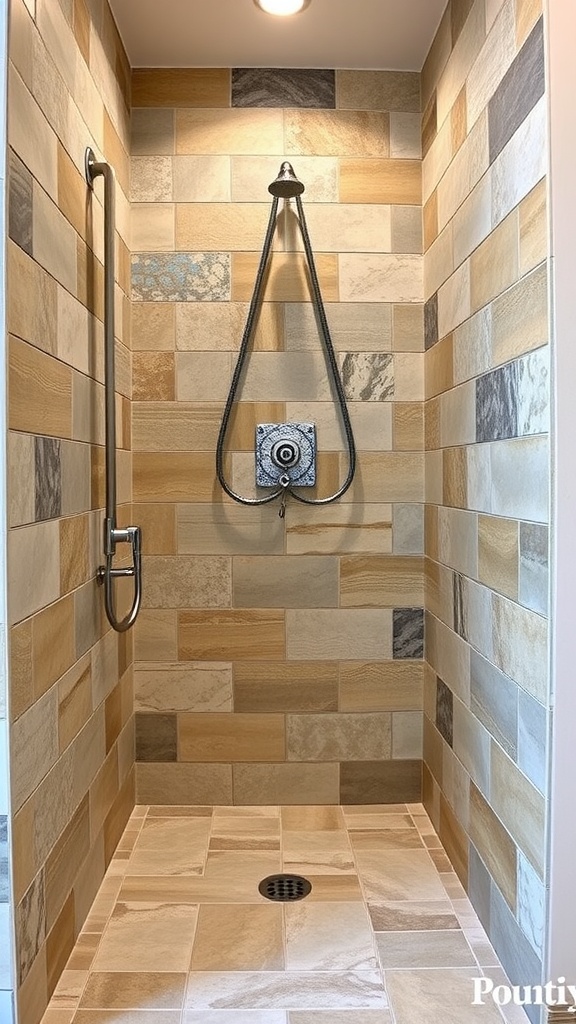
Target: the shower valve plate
pixel 286 450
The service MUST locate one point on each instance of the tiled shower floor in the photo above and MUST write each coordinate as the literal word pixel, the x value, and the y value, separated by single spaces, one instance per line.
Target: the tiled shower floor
pixel 179 933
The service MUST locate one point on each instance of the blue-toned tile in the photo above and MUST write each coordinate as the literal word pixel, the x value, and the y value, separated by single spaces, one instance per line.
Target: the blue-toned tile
pixel 497 404
pixel 7 1012
pixel 533 582
pixel 368 376
pixel 521 963
pixel 531 904
pixel 431 321
pixel 444 711
pixel 408 633
pixel 47 478
pixel 181 277
pixel 532 739
pixel 494 700
pixel 283 87
pixel 518 92
pixel 20 204
pixel 4 895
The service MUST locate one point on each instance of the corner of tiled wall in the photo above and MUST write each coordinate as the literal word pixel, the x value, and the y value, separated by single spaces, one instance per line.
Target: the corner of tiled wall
pixel 278 660
pixel 71 700
pixel 487 314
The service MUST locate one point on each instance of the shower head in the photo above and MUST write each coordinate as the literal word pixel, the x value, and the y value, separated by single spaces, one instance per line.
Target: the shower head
pixel 286 185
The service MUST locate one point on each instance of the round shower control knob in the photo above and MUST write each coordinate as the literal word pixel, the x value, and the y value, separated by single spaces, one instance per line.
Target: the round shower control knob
pixel 285 453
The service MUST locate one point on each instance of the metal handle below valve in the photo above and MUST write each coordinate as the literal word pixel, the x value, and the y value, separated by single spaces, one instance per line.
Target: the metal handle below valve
pixel 106 574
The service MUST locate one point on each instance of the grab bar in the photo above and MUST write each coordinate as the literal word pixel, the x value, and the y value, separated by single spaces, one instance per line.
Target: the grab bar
pixel 106 574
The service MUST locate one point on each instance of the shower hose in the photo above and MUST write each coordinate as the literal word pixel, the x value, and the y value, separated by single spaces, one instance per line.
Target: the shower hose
pixel 285 488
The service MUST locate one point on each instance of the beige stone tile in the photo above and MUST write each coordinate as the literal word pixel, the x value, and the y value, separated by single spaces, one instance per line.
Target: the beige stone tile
pixel 286 783
pixel 473 220
pixel 342 227
pixel 362 528
pixel 520 317
pixel 429 949
pixel 153 326
pixel 21 479
pixel 238 938
pixel 465 171
pixel 526 153
pixel 495 846
pixel 408 417
pixel 186 581
pixel 152 132
pixel 172 783
pixel 120 990
pixel 199 373
pixel 183 687
pixel 454 300
pixel 34 739
pixel 50 661
pixel 287 277
pixel 328 936
pixel 32 301
pixel 519 806
pixel 519 640
pixel 449 655
pixel 357 327
pixel 388 476
pixel 220 226
pixel 413 916
pixel 498 554
pixel 174 476
pixel 371 424
pixel 405 136
pixel 151 179
pixel 378 90
pixel 139 936
pixel 176 833
pixel 386 839
pixel 342 737
pixel 381 278
pixel 519 481
pixel 472 745
pixel 74 701
pixel 54 244
pixel 296 989
pixel 459 121
pixel 408 328
pixel 336 133
pixel 458 416
pixel 252 175
pixel 30 135
pixel 240 634
pixel 527 14
pixel 388 686
pixel 406 229
pixel 349 634
pixel 174 426
pixel 389 581
pixel 33 568
pixel 219 326
pixel 407 734
pixel 430 221
pixel 458 540
pixel 495 58
pixel 286 376
pixel 240 1016
pixel 277 582
pixel 311 818
pixel 494 266
pixel 152 227
pixel 223 737
pixel 20 42
pixel 202 179
pixel 439 262
pixel 442 992
pixel 472 346
pixel 533 228
pixel 372 180
pixel 181 87
pixel 437 160
pixel 223 529
pixel 462 58
pixel 241 131
pixel 155 636
pixel 398 875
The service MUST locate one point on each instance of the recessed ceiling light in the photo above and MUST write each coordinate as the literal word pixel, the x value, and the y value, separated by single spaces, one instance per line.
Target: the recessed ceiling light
pixel 282 7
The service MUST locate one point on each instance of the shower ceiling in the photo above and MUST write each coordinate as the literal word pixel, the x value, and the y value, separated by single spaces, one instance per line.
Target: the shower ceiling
pixel 391 34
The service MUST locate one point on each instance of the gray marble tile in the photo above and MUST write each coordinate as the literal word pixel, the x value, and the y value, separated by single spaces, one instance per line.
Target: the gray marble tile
pixel 283 87
pixel 444 710
pixel 459 605
pixel 431 321
pixel 30 926
pixel 533 581
pixel 497 404
pixel 181 277
pixel 155 737
pixel 407 529
pixel 518 92
pixel 47 478
pixel 368 376
pixel 20 204
pixel 533 392
pixel 290 990
pixel 531 904
pixel 408 633
pixel 494 700
pixel 532 739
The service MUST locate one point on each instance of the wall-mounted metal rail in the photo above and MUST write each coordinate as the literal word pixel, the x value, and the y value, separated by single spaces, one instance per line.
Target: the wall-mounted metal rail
pixel 112 534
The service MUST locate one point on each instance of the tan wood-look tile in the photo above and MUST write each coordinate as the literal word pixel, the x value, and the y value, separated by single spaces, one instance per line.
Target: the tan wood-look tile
pixel 283 687
pixel 60 942
pixel 74 701
pixel 495 846
pixel 238 132
pixel 498 554
pixel 116 154
pixel 40 392
pixel 341 133
pixel 245 634
pixel 494 265
pixel 175 476
pixel 533 228
pixel 71 192
pixel 381 181
pixel 50 660
pixel 74 566
pixel 65 860
pixel 455 477
pixel 459 121
pixel 439 368
pixel 527 14
pixel 181 87
pixel 430 220
pixel 408 426
pixel 226 737
pixel 287 277
pixel 384 686
pixel 454 839
pixel 385 581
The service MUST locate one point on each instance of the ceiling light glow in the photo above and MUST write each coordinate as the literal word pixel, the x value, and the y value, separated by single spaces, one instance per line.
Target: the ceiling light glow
pixel 282 7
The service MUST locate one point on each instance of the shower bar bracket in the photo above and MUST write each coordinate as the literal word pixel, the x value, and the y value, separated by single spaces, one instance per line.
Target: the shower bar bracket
pixel 113 535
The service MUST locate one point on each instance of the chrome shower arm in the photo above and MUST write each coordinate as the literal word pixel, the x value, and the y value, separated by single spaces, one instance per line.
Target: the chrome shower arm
pixel 112 534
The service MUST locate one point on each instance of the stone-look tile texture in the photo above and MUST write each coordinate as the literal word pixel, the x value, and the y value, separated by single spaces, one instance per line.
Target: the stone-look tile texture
pixel 70 698
pixel 316 656
pixel 487 419
pixel 180 932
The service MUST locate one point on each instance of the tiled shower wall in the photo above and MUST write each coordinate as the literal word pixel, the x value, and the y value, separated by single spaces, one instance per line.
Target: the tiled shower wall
pixel 277 660
pixel 70 697
pixel 487 468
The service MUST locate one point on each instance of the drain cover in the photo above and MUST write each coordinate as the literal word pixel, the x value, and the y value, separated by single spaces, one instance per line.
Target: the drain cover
pixel 285 888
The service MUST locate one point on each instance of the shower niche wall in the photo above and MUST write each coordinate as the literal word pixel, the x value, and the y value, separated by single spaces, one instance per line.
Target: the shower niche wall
pixel 277 660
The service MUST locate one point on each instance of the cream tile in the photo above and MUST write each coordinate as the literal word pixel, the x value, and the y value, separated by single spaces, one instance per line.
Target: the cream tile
pixel 344 227
pixel 398 875
pixel 196 686
pixel 54 244
pixel 347 634
pixel 239 131
pixel 405 136
pixel 338 989
pixel 521 164
pixel 495 58
pixel 152 227
pixel 31 136
pixel 461 59
pixel 454 299
pixel 381 278
pixel 202 179
pixel 33 568
pixel 359 528
pixel 139 936
pixel 238 938
pixel 328 937
pixel 429 949
pixel 357 327
pixel 429 991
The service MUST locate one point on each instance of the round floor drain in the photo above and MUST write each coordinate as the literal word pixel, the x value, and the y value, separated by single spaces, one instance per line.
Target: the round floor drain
pixel 285 888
